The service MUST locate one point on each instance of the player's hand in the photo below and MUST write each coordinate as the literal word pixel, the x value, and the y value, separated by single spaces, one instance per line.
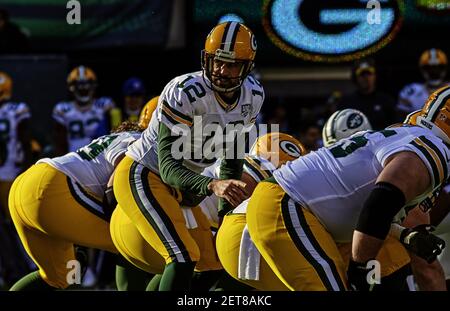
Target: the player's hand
pixel 357 276
pixel 231 190
pixel 420 241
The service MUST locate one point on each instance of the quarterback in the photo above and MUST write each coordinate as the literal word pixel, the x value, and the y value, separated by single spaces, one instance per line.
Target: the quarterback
pixel 152 182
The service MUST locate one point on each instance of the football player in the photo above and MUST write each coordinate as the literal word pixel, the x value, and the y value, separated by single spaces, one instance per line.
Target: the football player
pixel 350 191
pixel 235 249
pixel 433 66
pixel 58 202
pixel 152 181
pixel 134 94
pixel 15 156
pixel 394 259
pixel 342 124
pixel 77 121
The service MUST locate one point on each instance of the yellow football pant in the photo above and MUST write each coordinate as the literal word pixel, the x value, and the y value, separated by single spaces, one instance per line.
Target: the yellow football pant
pixel 392 255
pixel 52 213
pixel 154 209
pixel 228 244
pixel 293 242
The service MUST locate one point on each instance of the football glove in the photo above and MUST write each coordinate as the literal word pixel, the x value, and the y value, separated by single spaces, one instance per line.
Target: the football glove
pixel 420 241
pixel 357 276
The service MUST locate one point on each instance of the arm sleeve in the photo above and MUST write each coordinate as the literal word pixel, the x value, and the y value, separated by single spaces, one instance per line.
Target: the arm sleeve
pixel 173 172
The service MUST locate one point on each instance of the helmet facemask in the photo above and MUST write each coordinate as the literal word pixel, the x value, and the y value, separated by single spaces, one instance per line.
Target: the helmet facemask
pixel 83 91
pixel 220 83
pixel 434 74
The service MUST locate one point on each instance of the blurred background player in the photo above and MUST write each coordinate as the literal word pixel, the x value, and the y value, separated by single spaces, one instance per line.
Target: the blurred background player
pixel 433 66
pixel 15 157
pixel 77 121
pixel 378 106
pixel 342 124
pixel 134 98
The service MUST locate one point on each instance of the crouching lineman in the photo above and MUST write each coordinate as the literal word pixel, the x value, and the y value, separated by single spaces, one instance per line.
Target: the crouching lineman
pixel 350 191
pixel 394 259
pixel 58 202
pixel 236 251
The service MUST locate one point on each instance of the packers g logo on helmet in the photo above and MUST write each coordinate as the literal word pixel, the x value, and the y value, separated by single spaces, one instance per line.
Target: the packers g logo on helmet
pixel 290 148
pixel 435 114
pixel 278 148
pixel 5 86
pixel 342 124
pixel 230 42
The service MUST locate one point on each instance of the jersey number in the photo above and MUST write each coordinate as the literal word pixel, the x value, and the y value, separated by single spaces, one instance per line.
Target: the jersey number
pixel 97 146
pixel 76 128
pixel 352 144
pixel 197 89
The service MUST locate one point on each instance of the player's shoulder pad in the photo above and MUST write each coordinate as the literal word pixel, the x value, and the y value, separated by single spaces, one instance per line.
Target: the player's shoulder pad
pixel 190 83
pixel 252 81
pixel 435 152
pixel 176 98
pixel 104 103
pixel 411 90
pixel 63 107
pixel 21 109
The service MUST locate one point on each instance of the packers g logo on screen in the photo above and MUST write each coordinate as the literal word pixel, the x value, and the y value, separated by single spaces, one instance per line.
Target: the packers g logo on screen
pixel 331 30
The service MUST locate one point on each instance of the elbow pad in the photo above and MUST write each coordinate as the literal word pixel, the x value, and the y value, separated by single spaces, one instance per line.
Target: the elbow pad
pixel 383 203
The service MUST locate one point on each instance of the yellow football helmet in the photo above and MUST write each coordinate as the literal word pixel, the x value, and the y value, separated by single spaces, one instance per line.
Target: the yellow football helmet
pixel 435 115
pixel 147 112
pixel 82 82
pixel 433 65
pixel 278 148
pixel 230 42
pixel 412 117
pixel 5 86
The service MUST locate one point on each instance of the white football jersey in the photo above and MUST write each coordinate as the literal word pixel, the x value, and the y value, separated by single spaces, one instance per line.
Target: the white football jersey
pixel 183 101
pixel 333 183
pixel 11 114
pixel 81 125
pixel 91 166
pixel 413 96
